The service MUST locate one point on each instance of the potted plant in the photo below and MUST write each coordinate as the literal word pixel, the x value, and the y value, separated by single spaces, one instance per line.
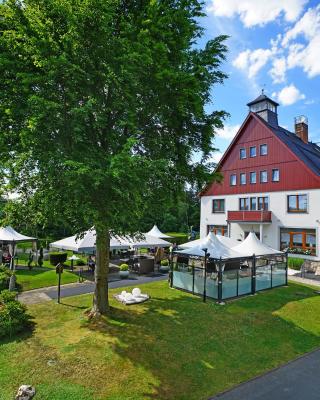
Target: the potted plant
pixel 164 265
pixel 124 271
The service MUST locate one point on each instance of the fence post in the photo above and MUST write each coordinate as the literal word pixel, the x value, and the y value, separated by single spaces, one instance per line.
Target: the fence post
pixel 253 275
pixel 237 282
pixel 192 266
pixel 286 269
pixel 220 281
pixel 205 275
pixel 171 268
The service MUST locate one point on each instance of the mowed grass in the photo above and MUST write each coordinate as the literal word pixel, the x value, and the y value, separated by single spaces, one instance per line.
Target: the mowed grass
pixel 41 277
pixel 172 347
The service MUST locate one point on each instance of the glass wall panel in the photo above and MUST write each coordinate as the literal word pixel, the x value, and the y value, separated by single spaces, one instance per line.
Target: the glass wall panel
pixel 244 281
pixel 198 281
pixel 229 283
pixel 263 277
pixel 212 285
pixel 278 274
pixel 182 280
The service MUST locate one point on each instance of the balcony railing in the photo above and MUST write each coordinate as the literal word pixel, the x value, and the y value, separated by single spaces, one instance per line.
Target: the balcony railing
pixel 249 216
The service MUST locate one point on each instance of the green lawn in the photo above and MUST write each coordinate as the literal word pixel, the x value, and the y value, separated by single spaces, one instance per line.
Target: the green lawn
pixel 172 347
pixel 38 278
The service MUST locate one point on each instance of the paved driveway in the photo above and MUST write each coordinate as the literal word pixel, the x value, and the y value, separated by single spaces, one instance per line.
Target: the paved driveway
pixel 297 380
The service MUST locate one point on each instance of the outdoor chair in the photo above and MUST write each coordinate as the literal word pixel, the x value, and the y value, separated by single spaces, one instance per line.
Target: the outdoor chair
pixel 146 265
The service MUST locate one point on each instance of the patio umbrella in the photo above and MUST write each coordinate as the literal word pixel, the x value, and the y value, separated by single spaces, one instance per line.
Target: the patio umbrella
pixel 72 259
pixel 155 232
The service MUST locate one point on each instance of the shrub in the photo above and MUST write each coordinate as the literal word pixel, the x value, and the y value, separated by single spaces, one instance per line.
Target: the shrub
pixel 57 257
pixel 80 263
pixel 295 263
pixel 40 259
pixel 6 296
pixel 124 267
pixel 5 274
pixel 30 260
pixel 13 317
pixel 179 239
pixel 164 263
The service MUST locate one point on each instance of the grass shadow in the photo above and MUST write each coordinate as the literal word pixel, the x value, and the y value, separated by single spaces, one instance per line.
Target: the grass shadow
pixel 196 350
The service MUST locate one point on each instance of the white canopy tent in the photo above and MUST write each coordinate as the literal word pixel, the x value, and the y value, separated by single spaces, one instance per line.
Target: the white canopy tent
pixel 155 232
pixel 214 247
pixel 11 237
pixel 223 239
pixel 252 245
pixel 147 241
pixel 87 244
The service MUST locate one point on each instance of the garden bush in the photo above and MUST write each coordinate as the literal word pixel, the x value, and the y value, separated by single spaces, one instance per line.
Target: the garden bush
pixel 164 263
pixel 295 263
pixel 13 316
pixel 5 274
pixel 57 257
pixel 40 259
pixel 124 267
pixel 6 296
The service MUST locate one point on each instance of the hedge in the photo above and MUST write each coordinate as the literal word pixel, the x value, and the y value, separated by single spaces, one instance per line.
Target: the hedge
pixel 56 258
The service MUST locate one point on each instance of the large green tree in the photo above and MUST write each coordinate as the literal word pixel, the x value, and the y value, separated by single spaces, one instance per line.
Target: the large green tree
pixel 102 105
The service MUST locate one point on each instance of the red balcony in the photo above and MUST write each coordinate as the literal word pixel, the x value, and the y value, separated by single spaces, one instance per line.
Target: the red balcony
pixel 249 216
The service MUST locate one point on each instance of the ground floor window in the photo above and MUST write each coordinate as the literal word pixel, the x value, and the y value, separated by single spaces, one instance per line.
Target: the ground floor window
pixel 299 240
pixel 218 229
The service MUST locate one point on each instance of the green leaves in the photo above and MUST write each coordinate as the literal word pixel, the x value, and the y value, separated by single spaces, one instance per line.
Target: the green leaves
pixel 103 105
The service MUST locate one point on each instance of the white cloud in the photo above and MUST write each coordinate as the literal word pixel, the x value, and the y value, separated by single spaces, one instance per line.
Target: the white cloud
pixel 298 47
pixel 216 157
pixel 308 26
pixel 228 131
pixel 254 12
pixel 278 70
pixel 306 55
pixel 289 95
pixel 252 61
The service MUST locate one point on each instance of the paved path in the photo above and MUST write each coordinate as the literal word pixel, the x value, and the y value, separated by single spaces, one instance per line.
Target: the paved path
pixel 297 380
pixel 306 281
pixel 74 289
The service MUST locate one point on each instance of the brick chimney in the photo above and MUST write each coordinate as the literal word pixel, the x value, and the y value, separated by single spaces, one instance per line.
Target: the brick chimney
pixel 301 128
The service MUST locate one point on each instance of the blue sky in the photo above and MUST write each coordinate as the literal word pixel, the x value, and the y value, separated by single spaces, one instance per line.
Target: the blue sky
pixel 275 45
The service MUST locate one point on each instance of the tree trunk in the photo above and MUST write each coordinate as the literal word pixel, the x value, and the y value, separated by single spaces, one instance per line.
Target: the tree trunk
pixel 100 297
